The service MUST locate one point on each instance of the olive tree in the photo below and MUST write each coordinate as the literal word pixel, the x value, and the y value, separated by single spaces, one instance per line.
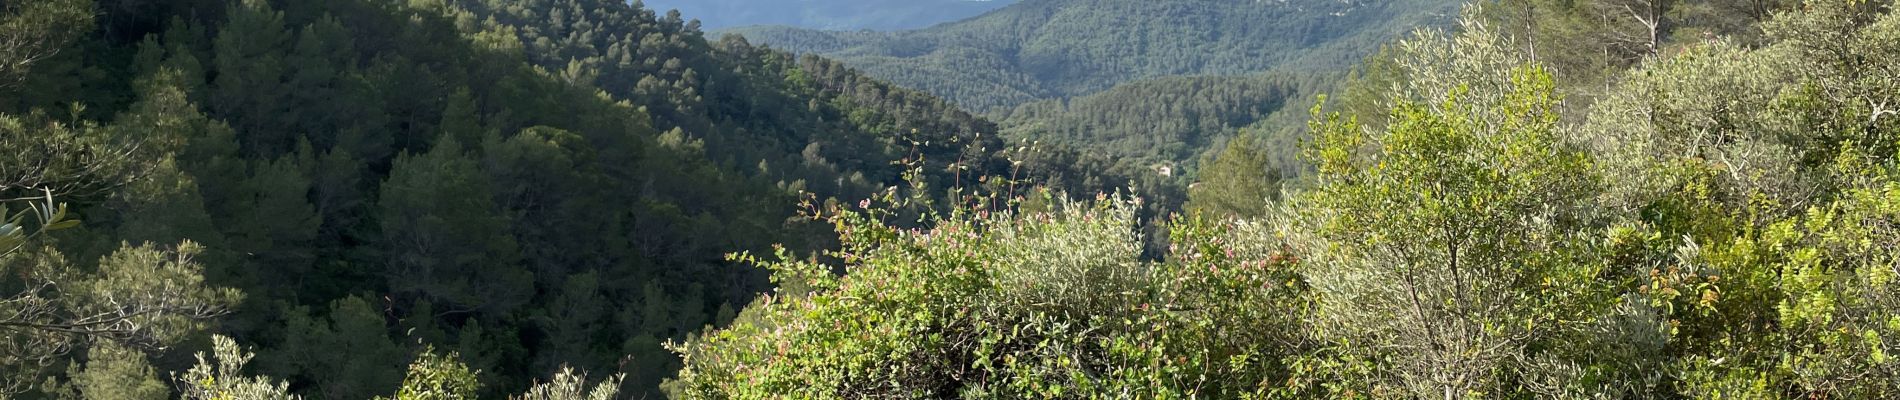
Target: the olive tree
pixel 1448 244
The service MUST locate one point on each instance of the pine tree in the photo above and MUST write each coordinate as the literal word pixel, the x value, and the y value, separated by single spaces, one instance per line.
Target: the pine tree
pixel 139 295
pixel 1238 182
pixel 250 89
pixel 445 239
pixel 115 372
pixel 314 351
pixel 33 30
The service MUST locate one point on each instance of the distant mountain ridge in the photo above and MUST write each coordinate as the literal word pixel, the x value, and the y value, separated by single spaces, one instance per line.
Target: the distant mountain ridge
pixel 849 15
pixel 1043 49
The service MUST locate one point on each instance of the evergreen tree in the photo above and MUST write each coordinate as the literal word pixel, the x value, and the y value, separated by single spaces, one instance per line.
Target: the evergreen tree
pixel 274 224
pixel 446 240
pixel 33 30
pixel 249 55
pixel 369 367
pixel 142 296
pixel 116 372
pixel 1240 181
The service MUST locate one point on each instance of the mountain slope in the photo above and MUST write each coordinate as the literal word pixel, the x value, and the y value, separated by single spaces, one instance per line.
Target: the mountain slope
pixel 1170 121
pixel 526 183
pixel 1040 49
pixel 828 14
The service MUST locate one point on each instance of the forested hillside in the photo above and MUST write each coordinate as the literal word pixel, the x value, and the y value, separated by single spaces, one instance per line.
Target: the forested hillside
pixel 1164 126
pixel 1706 212
pixel 1149 84
pixel 487 191
pixel 1044 49
pixel 589 199
pixel 847 15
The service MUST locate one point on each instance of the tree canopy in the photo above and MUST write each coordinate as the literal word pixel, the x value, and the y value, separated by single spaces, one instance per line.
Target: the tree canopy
pixel 566 199
pixel 342 186
pixel 1712 224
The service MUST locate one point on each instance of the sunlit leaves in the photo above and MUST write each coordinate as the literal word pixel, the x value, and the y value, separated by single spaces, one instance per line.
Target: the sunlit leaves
pixel 996 304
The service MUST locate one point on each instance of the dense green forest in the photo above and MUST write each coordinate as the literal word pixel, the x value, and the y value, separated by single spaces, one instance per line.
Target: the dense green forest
pixel 1050 49
pixel 1149 84
pixel 500 188
pixel 846 15
pixel 1713 219
pixel 1163 127
pixel 589 199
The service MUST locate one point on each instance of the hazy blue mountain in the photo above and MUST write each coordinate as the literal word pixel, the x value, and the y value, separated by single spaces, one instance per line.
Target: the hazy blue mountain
pixel 828 14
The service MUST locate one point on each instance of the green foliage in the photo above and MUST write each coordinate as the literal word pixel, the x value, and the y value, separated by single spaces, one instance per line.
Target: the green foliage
pixel 994 304
pixel 44 213
pixel 447 243
pixel 437 377
pixel 139 295
pixel 533 183
pixel 544 183
pixel 1586 43
pixel 221 377
pixel 1092 76
pixel 1711 226
pixel 827 14
pixel 1240 181
pixel 249 57
pixel 370 367
pixel 1771 119
pixel 44 157
pixel 33 30
pixel 116 372
pixel 431 376
pixel 1448 245
pixel 1837 311
pixel 570 385
pixel 1057 49
pixel 1165 121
